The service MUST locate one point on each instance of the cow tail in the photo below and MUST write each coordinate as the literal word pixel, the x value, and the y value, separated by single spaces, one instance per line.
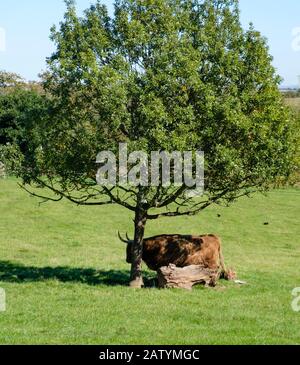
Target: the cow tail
pixel 223 272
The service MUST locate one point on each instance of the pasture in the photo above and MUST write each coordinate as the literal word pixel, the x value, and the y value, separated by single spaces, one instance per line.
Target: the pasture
pixel 64 273
pixel 294 103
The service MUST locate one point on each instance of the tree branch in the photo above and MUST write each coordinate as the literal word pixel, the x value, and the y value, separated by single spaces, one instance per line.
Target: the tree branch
pixel 63 195
pixel 118 200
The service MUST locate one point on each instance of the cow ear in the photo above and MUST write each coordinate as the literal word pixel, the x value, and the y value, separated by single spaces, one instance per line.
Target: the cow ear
pixel 198 241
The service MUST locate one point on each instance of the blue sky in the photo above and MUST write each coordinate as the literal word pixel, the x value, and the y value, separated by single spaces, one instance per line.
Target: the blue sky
pixel 26 24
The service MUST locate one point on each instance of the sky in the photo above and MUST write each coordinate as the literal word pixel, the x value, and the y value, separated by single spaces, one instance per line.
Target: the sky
pixel 25 29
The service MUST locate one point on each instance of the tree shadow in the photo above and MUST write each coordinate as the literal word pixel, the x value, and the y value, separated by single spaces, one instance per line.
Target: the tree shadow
pixel 18 273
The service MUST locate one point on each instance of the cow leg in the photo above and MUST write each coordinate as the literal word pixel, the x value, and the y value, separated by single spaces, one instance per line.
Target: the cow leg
pixel 137 250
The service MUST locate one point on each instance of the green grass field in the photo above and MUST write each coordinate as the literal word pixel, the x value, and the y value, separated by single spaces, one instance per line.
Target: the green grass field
pixel 64 273
pixel 294 103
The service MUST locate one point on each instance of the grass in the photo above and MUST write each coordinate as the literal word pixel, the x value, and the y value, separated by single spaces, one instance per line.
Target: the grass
pixel 64 273
pixel 294 103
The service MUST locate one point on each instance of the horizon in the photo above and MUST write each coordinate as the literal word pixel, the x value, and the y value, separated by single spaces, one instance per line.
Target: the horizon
pixel 25 32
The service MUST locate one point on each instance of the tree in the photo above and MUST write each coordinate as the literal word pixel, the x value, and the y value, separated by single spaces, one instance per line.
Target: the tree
pixel 160 75
pixel 20 103
pixel 9 80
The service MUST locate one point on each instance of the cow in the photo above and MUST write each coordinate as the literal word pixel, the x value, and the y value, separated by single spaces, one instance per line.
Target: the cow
pixel 180 250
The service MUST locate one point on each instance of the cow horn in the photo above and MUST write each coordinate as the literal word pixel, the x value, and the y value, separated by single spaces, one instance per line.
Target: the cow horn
pixel 128 237
pixel 123 240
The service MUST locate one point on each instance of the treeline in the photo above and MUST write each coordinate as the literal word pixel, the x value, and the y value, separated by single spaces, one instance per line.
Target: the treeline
pixel 291 93
pixel 21 104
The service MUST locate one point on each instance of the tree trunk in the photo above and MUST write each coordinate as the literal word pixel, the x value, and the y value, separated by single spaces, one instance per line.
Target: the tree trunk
pixel 137 249
pixel 186 277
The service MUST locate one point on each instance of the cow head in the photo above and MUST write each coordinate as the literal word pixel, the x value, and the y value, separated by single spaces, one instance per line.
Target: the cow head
pixel 128 253
pixel 128 248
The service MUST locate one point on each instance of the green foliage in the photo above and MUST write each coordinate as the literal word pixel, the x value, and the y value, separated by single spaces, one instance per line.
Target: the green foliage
pixel 9 80
pixel 162 75
pixel 294 104
pixel 18 111
pixel 21 107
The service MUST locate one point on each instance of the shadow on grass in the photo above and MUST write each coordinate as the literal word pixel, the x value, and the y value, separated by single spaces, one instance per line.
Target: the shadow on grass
pixel 17 273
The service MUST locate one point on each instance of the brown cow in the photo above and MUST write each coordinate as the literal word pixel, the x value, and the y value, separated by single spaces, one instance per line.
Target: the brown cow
pixel 180 250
